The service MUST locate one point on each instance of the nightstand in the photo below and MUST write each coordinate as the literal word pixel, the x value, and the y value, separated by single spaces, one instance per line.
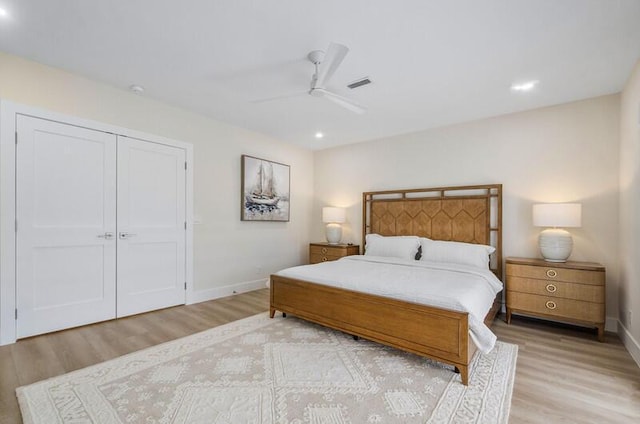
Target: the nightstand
pixel 323 252
pixel 571 292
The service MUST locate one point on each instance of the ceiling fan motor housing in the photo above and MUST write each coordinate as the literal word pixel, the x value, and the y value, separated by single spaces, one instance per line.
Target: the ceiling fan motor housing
pixel 316 57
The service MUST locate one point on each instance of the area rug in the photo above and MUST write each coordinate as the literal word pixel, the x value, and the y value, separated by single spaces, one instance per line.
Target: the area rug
pixel 282 370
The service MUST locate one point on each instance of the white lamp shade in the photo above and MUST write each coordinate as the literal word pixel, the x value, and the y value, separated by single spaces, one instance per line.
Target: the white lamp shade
pixel 337 215
pixel 561 215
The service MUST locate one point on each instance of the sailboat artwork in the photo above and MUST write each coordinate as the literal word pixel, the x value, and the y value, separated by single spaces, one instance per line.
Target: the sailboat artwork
pixel 264 193
pixel 265 190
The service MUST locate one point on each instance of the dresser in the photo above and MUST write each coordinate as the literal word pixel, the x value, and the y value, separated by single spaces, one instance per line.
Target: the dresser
pixel 323 252
pixel 572 292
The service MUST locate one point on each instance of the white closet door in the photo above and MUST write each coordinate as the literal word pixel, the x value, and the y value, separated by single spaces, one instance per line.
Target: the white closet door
pixel 151 226
pixel 65 208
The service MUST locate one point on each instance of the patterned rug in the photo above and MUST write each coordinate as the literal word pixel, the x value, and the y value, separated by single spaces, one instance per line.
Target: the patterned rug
pixel 282 370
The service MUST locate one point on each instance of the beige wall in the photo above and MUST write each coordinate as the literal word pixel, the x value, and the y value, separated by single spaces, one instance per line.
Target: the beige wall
pixel 562 153
pixel 566 153
pixel 227 251
pixel 630 208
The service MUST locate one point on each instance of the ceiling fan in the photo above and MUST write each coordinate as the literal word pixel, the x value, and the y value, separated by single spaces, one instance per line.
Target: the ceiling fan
pixel 326 65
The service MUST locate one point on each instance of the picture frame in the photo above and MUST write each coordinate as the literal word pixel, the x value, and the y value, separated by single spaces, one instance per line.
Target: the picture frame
pixel 265 190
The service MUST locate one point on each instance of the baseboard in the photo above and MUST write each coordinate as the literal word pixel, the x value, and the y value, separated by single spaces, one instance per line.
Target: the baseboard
pixel 611 324
pixel 629 342
pixel 224 291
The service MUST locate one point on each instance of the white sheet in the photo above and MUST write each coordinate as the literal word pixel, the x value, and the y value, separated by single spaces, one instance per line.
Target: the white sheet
pixel 448 286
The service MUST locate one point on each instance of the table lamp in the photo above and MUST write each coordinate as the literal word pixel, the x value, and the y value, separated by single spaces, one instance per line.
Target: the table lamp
pixel 333 217
pixel 555 242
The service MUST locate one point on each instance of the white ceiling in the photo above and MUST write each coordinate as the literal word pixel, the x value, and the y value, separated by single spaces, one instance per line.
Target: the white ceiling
pixel 433 62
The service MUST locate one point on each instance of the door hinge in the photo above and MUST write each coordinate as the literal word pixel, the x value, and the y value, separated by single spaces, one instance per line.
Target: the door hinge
pixel 16 137
pixel 185 166
pixel 185 285
pixel 16 313
pixel 185 225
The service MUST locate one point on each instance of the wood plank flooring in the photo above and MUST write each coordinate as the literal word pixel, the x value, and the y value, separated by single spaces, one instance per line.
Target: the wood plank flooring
pixel 563 374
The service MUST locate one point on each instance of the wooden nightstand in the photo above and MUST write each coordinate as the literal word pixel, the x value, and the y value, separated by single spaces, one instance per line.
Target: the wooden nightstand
pixel 323 252
pixel 571 292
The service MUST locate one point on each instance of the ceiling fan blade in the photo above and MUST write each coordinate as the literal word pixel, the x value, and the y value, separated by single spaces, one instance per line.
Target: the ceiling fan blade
pixel 332 59
pixel 284 96
pixel 338 99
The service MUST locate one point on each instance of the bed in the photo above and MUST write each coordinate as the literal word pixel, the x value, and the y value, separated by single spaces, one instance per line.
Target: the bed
pixel 470 214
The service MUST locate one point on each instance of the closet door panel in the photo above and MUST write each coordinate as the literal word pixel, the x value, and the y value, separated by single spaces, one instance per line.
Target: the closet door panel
pixel 65 208
pixel 151 233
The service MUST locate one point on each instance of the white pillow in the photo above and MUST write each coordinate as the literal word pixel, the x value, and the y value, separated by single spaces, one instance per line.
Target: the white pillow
pixel 456 252
pixel 404 247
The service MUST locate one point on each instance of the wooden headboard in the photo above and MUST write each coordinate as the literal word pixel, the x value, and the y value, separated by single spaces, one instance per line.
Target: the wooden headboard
pixel 471 214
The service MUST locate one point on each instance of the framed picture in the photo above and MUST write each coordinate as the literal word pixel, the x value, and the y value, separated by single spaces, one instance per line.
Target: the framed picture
pixel 265 190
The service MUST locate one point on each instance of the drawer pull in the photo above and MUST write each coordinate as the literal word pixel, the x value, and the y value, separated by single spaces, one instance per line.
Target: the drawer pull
pixel 550 304
pixel 551 273
pixel 551 288
pixel 324 250
pixel 324 259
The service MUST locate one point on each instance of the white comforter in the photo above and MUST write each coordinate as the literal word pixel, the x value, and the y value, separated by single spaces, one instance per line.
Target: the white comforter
pixel 448 286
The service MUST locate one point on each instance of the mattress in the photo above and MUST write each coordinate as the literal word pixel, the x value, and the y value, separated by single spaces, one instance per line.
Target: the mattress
pixel 447 286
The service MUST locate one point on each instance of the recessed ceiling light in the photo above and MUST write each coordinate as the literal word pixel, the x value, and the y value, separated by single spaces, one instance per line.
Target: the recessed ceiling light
pixel 525 86
pixel 138 89
pixel 319 135
pixel 3 13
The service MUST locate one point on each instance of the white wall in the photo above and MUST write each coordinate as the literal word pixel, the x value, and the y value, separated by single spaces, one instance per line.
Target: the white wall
pixel 566 153
pixel 630 213
pixel 227 251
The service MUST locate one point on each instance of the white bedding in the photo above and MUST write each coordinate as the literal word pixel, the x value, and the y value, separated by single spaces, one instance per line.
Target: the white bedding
pixel 448 286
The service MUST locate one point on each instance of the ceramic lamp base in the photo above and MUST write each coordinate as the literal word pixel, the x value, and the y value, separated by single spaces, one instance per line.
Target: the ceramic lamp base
pixel 333 232
pixel 555 245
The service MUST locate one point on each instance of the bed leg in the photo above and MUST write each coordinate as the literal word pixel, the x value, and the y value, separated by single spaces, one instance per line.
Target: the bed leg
pixel 356 338
pixel 284 315
pixel 464 374
pixel 272 312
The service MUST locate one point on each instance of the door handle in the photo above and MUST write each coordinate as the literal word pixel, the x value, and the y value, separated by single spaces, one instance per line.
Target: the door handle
pixel 126 235
pixel 106 236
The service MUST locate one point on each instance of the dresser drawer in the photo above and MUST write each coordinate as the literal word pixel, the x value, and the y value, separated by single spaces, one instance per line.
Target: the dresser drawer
pixel 560 289
pixel 328 251
pixel 317 258
pixel 556 307
pixel 550 273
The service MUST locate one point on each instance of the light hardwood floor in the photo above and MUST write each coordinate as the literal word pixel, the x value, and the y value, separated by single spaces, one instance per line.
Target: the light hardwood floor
pixel 563 374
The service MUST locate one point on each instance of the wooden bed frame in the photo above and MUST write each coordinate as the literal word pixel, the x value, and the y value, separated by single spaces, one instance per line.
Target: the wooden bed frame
pixel 471 214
